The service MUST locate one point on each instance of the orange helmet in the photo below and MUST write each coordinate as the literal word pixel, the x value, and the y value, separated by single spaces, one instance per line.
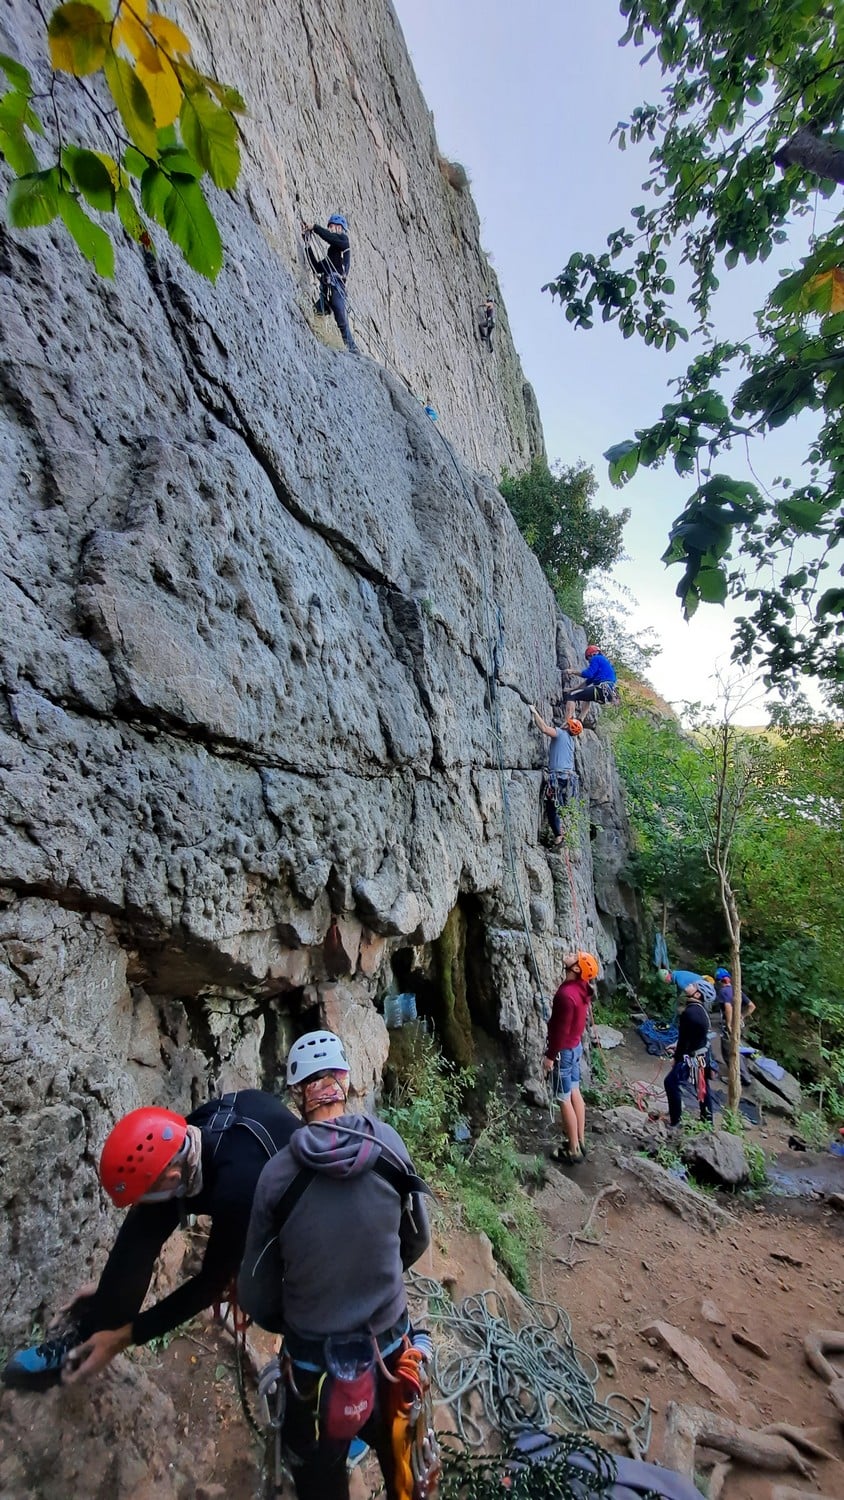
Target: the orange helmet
pixel 588 966
pixel 137 1150
pixel 574 726
pixel 591 651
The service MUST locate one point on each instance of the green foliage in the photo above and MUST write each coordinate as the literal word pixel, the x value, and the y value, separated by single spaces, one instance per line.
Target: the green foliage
pixel 756 1164
pixel 786 848
pixel 570 536
pixel 142 59
pixel 484 1183
pixel 812 1127
pixel 745 138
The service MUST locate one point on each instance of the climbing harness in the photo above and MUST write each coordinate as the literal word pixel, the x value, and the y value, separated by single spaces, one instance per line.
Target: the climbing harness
pixel 492 1375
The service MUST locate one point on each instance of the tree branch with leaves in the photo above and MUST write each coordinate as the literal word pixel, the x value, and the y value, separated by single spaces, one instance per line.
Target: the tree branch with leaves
pixel 745 139
pixel 166 126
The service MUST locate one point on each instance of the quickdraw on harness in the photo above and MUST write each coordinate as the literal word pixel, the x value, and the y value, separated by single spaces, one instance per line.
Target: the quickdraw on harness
pixel 416 1452
pixel 697 1063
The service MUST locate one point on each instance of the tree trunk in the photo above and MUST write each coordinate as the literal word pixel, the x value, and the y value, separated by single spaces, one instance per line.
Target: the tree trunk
pixel 812 152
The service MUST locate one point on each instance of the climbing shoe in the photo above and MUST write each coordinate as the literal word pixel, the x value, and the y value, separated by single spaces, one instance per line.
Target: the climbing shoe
pixel 40 1366
pixel 565 1157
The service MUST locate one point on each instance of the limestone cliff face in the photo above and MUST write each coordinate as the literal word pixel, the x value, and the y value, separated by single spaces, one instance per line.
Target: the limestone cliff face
pixel 267 642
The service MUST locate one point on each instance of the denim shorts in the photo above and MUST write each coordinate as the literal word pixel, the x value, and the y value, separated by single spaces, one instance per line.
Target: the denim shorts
pixel 566 1074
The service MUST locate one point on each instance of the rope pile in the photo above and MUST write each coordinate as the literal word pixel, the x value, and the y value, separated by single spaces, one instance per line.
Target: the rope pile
pixel 470 1477
pixel 657 1038
pixel 494 1376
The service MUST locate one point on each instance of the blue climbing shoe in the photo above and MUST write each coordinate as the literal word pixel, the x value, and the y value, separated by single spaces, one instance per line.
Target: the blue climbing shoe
pixel 40 1366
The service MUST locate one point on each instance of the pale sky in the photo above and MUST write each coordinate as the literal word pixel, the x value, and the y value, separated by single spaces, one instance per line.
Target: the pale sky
pixel 526 98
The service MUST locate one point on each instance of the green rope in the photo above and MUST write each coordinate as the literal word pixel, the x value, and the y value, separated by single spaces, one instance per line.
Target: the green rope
pixel 494 1376
pixel 469 1476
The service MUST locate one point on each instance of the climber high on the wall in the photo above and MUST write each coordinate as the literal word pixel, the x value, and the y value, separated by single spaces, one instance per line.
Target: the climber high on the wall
pixel 486 321
pixel 332 270
pixel 599 679
pixel 162 1167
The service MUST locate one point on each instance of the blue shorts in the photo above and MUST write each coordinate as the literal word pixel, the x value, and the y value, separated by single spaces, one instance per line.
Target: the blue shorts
pixel 566 1073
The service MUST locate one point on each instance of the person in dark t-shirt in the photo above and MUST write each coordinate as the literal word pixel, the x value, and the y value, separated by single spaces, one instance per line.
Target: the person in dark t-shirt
pixel 162 1167
pixel 691 1056
pixel 333 271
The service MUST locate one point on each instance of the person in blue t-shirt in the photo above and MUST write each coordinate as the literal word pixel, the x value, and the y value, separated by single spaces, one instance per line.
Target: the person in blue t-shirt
pixel 725 996
pixel 599 679
pixel 561 782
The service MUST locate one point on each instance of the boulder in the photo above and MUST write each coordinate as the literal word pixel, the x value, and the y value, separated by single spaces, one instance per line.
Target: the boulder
pixel 717 1157
pixel 787 1087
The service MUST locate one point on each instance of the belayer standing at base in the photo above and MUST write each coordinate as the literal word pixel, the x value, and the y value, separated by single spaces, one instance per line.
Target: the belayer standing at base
pixel 691 1055
pixel 564 1050
pixel 163 1166
pixel 599 679
pixel 333 271
pixel 338 1217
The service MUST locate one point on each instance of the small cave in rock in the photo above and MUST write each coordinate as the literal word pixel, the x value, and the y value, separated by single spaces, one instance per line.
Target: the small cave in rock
pixel 286 1016
pixel 452 982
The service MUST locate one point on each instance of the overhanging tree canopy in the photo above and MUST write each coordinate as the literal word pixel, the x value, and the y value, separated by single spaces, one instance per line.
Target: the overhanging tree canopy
pixel 748 122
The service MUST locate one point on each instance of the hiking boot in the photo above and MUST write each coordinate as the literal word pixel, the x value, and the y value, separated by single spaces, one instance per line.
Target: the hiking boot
pixel 40 1366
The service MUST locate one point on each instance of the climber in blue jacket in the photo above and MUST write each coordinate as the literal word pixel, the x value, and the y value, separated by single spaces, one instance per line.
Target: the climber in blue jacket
pixel 599 679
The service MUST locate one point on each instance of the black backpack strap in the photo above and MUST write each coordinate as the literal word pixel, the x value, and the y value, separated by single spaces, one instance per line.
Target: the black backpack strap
pixel 226 1116
pixel 290 1197
pixel 403 1181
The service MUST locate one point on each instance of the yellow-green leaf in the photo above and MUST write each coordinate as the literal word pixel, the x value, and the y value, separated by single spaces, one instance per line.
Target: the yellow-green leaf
pixel 127 212
pixel 129 32
pixel 33 200
pixel 15 148
pixel 164 89
pixel 210 135
pixel 192 226
pixel 230 98
pixel 169 35
pixel 91 239
pixel 79 38
pixel 16 73
pixel 132 101
pixel 90 174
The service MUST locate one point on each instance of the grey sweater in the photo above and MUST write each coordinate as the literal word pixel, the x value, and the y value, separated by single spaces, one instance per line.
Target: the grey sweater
pixel 336 1265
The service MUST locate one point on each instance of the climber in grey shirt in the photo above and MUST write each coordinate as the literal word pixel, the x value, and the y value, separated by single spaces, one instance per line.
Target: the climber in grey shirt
pixel 561 782
pixel 334 1224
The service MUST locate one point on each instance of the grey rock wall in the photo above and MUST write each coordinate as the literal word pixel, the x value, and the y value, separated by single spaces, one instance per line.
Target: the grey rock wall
pixel 258 621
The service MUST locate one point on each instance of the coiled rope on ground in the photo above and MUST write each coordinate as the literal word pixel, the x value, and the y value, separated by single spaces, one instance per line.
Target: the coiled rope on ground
pixel 495 1376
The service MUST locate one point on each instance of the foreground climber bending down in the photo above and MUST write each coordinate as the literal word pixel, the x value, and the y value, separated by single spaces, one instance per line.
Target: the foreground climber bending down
pixel 162 1167
pixel 338 1217
pixel 564 1050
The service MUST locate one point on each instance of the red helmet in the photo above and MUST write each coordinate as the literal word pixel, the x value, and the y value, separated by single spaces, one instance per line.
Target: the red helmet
pixel 591 651
pixel 137 1150
pixel 574 726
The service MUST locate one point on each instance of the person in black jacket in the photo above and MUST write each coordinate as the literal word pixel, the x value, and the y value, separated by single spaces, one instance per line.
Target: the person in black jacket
pixel 163 1166
pixel 691 1055
pixel 332 270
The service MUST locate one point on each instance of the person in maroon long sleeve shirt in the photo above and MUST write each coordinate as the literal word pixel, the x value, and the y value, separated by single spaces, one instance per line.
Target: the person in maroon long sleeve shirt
pixel 564 1049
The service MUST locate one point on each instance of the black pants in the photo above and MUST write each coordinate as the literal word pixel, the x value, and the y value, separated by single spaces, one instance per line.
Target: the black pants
pixel 318 1466
pixel 674 1080
pixel 332 294
pixel 591 693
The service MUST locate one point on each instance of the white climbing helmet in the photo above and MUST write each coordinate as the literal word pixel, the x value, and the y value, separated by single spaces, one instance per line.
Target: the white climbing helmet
pixel 315 1052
